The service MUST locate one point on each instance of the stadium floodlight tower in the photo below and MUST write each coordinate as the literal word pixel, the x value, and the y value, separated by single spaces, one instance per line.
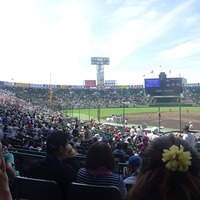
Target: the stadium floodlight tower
pixel 100 62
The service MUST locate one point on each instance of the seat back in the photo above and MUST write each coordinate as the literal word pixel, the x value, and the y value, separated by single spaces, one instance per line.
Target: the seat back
pixel 123 169
pixel 24 160
pixel 36 189
pixel 128 186
pixel 120 157
pixel 79 191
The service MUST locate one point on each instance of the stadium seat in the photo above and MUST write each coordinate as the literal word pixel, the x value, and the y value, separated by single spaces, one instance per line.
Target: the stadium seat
pixel 78 191
pixel 128 186
pixel 36 189
pixel 24 160
pixel 119 156
pixel 122 169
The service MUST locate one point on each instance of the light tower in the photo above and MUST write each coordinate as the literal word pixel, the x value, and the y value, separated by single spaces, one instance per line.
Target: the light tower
pixel 100 62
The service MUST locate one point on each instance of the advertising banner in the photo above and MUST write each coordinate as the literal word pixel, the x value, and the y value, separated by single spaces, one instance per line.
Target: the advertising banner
pixel 90 83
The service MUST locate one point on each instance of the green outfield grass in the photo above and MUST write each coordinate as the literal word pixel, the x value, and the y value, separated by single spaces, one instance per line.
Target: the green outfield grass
pixel 86 114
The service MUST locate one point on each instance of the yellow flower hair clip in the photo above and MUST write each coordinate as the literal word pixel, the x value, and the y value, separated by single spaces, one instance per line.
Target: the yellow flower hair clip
pixel 176 159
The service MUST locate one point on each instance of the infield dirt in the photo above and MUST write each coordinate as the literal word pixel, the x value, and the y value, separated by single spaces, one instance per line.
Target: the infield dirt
pixel 173 120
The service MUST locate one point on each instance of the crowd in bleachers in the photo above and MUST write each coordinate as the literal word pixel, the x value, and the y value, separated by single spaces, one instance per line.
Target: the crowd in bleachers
pixel 64 98
pixel 192 95
pixel 79 97
pixel 27 126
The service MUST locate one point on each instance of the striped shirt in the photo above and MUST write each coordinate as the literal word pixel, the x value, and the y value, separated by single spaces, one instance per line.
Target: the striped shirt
pixel 109 179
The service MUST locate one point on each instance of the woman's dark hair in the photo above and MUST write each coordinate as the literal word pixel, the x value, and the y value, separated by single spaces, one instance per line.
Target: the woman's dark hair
pixel 100 155
pixel 155 181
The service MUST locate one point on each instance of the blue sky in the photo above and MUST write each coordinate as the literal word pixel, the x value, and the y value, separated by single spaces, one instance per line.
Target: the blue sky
pixel 59 37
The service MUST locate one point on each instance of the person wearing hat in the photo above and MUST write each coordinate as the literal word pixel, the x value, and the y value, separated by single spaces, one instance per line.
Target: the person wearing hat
pixel 153 134
pixel 191 125
pixel 75 131
pixel 133 167
pixel 188 136
pixel 72 159
pixel 132 130
pixel 142 145
pixel 118 152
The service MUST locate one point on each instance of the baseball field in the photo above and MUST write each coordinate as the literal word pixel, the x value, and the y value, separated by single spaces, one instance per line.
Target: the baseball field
pixel 169 117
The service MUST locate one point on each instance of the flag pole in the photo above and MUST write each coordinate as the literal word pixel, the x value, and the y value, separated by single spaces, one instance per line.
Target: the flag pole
pixel 170 72
pixel 50 98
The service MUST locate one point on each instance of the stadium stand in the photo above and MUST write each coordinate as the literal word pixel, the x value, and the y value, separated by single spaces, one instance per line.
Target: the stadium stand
pixel 27 115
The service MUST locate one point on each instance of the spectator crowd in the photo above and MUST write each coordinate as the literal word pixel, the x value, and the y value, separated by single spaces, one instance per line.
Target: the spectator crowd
pixel 141 164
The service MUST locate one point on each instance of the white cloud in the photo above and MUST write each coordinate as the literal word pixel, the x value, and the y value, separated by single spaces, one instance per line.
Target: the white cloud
pixel 182 51
pixel 192 20
pixel 136 33
pixel 124 77
pixel 113 1
pixel 59 38
pixel 31 47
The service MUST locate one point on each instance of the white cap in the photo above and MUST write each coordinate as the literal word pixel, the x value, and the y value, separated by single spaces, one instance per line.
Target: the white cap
pixel 155 129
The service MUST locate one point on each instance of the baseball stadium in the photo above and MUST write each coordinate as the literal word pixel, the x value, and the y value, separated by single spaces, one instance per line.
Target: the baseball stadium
pixel 99 110
pixel 99 100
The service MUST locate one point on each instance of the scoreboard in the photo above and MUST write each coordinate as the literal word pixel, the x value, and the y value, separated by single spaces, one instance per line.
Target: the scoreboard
pixel 164 87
